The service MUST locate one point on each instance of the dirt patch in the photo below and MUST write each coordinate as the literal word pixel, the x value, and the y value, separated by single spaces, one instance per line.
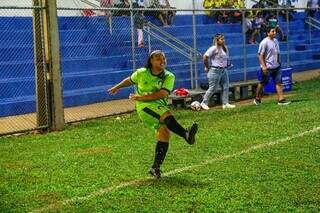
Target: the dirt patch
pixel 307 75
pixel 16 165
pixel 94 150
pixel 49 197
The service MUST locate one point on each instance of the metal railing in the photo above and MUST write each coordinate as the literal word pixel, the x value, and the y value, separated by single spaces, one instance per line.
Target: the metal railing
pixel 181 47
pixel 94 5
pixel 312 22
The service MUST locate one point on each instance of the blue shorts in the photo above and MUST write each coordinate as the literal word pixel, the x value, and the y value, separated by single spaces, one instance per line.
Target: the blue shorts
pixel 275 74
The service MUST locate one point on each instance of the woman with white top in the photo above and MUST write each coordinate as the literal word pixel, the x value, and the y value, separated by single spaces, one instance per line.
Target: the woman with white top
pixel 217 72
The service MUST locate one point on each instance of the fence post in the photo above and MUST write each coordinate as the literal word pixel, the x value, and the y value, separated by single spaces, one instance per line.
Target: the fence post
pixel 194 29
pixel 40 69
pixel 309 29
pixel 132 37
pixel 244 46
pixel 149 39
pixel 52 50
pixel 288 44
pixel 191 71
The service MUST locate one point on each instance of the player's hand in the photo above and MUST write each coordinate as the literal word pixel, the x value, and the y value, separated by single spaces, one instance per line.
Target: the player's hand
pixel 133 97
pixel 113 90
pixel 206 69
pixel 264 70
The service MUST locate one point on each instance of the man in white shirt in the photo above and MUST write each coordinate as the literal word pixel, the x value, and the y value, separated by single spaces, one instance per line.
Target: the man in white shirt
pixel 269 58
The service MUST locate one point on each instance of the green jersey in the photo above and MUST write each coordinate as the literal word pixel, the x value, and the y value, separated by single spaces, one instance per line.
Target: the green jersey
pixel 147 83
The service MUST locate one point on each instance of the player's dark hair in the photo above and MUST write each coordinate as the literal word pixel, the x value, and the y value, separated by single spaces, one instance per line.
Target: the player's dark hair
pixel 151 55
pixel 269 29
pixel 215 41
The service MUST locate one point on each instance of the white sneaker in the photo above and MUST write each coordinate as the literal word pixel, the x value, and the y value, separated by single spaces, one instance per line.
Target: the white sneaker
pixel 204 106
pixel 228 106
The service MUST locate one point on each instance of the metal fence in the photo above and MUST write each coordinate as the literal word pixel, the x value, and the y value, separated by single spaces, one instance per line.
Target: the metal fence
pixel 100 47
pixel 22 71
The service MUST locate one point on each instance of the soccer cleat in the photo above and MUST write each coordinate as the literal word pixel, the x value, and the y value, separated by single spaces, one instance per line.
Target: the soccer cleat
pixel 191 134
pixel 204 106
pixel 155 172
pixel 257 101
pixel 283 102
pixel 228 106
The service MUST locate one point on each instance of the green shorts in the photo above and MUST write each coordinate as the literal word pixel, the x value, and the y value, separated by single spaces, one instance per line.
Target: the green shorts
pixel 150 113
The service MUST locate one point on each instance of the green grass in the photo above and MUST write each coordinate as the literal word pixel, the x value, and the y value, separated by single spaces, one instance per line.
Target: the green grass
pixel 40 170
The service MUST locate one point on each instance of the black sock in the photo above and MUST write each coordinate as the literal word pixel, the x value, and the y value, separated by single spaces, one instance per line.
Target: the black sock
pixel 174 126
pixel 160 153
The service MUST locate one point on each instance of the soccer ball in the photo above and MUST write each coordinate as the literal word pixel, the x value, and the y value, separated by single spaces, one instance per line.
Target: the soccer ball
pixel 196 106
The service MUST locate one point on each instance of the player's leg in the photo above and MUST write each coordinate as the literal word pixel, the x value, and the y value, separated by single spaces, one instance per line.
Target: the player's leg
pixel 163 137
pixel 263 79
pixel 155 114
pixel 173 125
pixel 276 76
pixel 214 79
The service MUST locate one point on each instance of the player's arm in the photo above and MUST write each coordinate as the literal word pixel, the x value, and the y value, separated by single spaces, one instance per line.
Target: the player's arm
pixel 206 63
pixel 262 62
pixel 124 83
pixel 162 93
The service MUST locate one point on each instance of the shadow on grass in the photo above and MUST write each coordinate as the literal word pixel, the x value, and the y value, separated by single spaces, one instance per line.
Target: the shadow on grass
pixel 179 182
pixel 300 100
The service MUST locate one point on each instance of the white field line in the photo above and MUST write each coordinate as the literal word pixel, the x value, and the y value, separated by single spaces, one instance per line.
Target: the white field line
pixel 103 191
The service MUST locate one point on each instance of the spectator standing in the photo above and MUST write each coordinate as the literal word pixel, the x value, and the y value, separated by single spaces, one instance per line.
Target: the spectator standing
pixel 160 14
pixel 312 6
pixel 138 20
pixel 122 4
pixel 217 71
pixel 269 59
pixel 272 22
pixel 106 4
pixel 249 28
pixel 171 15
pixel 259 27
pixel 153 84
pixel 107 13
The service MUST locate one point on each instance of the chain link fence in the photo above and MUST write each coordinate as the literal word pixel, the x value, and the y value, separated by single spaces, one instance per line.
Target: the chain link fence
pixel 19 80
pixel 102 43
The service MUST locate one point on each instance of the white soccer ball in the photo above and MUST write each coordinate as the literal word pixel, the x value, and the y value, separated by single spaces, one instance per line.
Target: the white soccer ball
pixel 196 106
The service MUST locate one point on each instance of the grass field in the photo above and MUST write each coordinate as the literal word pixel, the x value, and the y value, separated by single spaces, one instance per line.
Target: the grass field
pixel 256 159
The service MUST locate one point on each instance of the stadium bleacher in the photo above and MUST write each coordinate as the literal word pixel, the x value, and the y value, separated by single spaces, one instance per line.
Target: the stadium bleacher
pixel 96 59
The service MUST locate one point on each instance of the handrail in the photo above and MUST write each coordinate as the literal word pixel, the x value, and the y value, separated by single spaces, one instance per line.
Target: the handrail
pixel 314 20
pixel 169 36
pixel 170 44
pixel 313 25
pixel 184 49
pixel 90 3
pixel 316 25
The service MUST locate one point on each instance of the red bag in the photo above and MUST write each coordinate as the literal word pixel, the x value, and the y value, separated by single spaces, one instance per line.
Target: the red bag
pixel 181 92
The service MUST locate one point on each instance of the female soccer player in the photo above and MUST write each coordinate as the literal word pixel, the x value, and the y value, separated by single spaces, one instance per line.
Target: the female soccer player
pixel 153 84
